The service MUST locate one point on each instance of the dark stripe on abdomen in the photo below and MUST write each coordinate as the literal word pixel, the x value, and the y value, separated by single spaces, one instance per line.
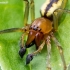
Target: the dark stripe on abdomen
pixel 50 5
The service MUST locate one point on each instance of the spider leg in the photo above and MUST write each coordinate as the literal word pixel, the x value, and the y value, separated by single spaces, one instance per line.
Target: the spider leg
pixel 49 52
pixel 64 10
pixel 26 12
pixel 55 20
pixel 30 56
pixel 32 10
pixel 11 30
pixel 57 14
pixel 60 50
pixel 22 50
pixel 24 29
pixel 56 17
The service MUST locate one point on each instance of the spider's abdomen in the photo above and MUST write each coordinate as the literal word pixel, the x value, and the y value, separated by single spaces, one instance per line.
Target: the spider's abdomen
pixel 50 6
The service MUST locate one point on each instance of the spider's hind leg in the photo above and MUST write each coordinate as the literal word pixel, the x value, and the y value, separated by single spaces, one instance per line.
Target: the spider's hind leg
pixel 60 50
pixel 48 43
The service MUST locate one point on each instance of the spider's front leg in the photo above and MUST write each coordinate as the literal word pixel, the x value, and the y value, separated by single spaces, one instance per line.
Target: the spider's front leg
pixel 55 21
pixel 57 14
pixel 22 50
pixel 26 12
pixel 32 10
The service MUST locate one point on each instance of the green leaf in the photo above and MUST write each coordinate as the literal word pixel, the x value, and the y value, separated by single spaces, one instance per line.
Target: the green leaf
pixel 0 67
pixel 11 15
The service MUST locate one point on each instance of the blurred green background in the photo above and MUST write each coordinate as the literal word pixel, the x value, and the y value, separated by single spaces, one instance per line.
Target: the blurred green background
pixel 11 15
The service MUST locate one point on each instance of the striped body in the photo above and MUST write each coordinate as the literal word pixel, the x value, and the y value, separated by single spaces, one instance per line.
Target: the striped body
pixel 50 6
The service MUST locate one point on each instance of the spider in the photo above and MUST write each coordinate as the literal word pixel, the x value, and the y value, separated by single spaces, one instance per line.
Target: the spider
pixel 41 30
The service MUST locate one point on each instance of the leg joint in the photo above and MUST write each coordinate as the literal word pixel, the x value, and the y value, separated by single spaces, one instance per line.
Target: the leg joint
pixel 60 49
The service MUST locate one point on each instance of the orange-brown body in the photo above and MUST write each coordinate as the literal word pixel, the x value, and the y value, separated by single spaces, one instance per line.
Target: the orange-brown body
pixel 40 28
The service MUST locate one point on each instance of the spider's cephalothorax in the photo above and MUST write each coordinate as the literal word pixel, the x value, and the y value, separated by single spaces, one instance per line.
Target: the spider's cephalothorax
pixel 37 33
pixel 41 29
